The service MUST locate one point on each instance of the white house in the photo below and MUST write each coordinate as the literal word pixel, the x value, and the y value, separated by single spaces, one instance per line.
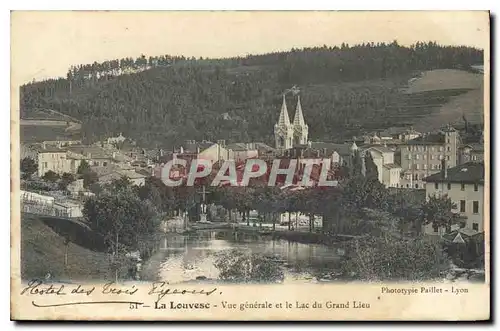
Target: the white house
pixel 464 185
pixel 389 173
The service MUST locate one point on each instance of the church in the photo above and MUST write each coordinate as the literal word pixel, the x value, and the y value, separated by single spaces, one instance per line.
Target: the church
pixel 292 139
pixel 288 134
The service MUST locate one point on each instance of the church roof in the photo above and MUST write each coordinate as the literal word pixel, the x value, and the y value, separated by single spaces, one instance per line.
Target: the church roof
pixel 284 119
pixel 298 119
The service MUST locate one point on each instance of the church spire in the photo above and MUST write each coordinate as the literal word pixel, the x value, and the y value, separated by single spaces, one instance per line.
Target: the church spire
pixel 298 119
pixel 284 119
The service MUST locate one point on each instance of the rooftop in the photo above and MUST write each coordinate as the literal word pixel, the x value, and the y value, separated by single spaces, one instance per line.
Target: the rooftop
pixel 471 172
pixel 391 166
pixel 428 139
pixel 342 149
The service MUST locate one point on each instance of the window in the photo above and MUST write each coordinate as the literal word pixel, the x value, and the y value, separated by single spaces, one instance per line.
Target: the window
pixel 45 164
pixel 435 228
pixel 416 166
pixel 448 140
pixel 425 166
pixel 475 207
pixel 424 156
pixel 449 186
pixel 462 206
pixel 475 187
pixel 105 163
pixel 462 187
pixel 436 186
pixel 432 157
pixel 448 149
pixel 416 185
pixel 474 158
pixel 441 148
pixel 409 156
pixel 417 156
pixel 475 226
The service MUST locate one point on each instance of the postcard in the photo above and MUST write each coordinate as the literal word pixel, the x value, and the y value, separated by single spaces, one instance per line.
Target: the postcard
pixel 250 165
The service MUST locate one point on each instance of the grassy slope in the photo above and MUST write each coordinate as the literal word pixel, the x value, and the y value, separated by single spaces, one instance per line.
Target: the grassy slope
pixel 42 251
pixel 462 90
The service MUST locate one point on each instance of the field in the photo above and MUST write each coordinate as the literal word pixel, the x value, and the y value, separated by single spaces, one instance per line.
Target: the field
pixel 444 96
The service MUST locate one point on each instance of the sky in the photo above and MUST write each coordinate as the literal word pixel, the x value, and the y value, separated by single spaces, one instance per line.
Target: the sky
pixel 46 44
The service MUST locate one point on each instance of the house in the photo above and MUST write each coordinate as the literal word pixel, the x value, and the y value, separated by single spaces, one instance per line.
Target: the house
pixel 57 160
pixel 242 151
pixel 134 177
pixel 389 173
pixel 94 155
pixel 116 140
pixel 471 152
pixel 422 156
pixel 464 185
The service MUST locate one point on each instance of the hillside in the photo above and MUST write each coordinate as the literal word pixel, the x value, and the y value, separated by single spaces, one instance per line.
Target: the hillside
pixel 461 94
pixel 344 91
pixel 42 252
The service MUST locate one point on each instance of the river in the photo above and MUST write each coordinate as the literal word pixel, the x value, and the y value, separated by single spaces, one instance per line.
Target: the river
pixel 183 258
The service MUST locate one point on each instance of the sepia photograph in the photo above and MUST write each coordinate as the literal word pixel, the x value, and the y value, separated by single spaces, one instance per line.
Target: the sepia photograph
pixel 239 165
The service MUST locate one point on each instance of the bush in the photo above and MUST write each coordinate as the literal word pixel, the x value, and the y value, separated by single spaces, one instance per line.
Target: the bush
pixel 390 258
pixel 241 266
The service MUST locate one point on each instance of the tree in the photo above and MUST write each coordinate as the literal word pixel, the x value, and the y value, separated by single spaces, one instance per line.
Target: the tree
pixel 28 167
pixel 371 170
pixel 66 179
pixel 357 165
pixel 122 219
pixel 437 211
pixel 89 178
pixel 83 168
pixel 389 258
pixel 50 176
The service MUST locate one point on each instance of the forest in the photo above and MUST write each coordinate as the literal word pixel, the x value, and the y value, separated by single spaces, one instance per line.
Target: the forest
pixel 164 100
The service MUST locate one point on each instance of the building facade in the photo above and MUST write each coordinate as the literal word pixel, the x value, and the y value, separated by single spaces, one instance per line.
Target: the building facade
pixel 423 156
pixel 58 161
pixel 464 185
pixel 288 134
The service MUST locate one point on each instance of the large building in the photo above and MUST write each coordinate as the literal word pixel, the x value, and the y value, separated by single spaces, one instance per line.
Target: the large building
pixel 421 157
pixel 464 185
pixel 288 134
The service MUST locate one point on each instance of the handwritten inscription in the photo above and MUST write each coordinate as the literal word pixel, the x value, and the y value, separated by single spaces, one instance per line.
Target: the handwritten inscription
pixel 160 289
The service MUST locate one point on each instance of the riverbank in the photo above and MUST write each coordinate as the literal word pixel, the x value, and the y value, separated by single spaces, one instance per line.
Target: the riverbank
pixel 303 237
pixel 43 252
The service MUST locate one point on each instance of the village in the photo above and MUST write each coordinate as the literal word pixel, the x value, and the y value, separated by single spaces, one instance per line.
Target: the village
pixel 59 175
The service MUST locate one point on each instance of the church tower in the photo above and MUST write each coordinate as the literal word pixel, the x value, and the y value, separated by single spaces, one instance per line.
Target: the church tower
pixel 283 130
pixel 300 128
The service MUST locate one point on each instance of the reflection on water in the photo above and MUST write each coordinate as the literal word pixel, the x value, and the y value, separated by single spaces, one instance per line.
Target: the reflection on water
pixel 181 258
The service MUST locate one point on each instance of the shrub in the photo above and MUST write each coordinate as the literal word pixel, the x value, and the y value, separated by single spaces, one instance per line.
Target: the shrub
pixel 390 258
pixel 241 266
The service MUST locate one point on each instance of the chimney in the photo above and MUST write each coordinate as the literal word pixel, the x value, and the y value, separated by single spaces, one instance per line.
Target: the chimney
pixel 181 150
pixel 198 150
pixel 324 151
pixel 161 151
pixel 444 168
